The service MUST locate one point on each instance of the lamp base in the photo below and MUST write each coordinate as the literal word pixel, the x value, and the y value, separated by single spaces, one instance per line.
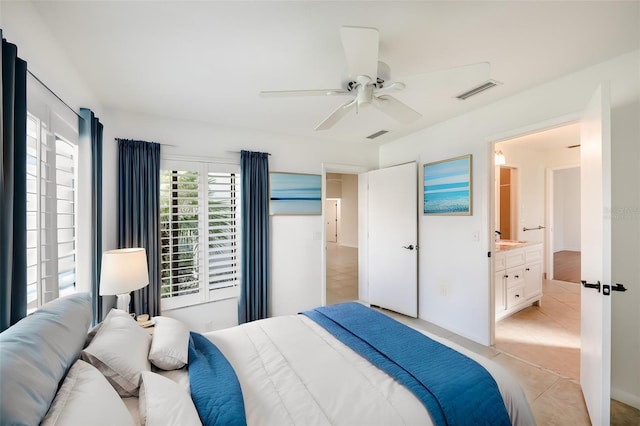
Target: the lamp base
pixel 123 302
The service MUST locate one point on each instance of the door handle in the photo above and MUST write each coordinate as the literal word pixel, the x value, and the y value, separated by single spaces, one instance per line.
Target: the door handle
pixel 618 287
pixel 410 247
pixel 589 285
pixel 606 289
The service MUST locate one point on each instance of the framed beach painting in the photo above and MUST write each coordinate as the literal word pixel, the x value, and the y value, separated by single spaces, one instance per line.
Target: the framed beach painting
pixel 447 187
pixel 295 194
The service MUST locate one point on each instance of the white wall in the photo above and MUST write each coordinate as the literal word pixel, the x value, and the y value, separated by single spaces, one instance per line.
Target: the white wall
pixel 530 188
pixel 532 165
pixel 566 209
pixel 296 262
pixel 446 243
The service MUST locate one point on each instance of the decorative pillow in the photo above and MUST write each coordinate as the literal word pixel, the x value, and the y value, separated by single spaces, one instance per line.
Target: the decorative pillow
pixel 86 398
pixel 164 402
pixel 119 351
pixel 170 344
pixel 36 353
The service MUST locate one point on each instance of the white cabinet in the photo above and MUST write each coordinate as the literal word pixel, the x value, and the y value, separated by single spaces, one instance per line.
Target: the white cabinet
pixel 517 278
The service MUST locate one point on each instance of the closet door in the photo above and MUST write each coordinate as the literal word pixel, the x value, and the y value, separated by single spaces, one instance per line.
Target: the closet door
pixel 393 238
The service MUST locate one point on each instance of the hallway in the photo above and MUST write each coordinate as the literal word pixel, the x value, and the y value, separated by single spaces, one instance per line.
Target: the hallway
pixel 342 273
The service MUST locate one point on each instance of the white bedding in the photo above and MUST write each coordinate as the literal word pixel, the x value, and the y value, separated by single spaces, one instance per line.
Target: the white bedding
pixel 292 371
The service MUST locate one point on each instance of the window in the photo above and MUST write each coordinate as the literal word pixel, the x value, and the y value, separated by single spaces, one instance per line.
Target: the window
pixel 199 232
pixel 52 155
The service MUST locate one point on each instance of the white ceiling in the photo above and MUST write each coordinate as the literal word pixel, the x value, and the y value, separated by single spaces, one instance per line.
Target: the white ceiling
pixel 208 60
pixel 561 137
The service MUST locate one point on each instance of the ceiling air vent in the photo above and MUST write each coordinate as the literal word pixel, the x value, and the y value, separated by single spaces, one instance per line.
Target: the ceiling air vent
pixel 481 88
pixel 376 134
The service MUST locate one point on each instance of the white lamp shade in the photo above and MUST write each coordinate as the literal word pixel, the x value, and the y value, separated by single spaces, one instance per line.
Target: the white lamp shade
pixel 123 271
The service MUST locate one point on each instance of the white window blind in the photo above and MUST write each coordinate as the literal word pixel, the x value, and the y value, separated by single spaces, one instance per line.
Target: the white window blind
pixel 223 222
pixel 199 221
pixel 51 214
pixel 180 214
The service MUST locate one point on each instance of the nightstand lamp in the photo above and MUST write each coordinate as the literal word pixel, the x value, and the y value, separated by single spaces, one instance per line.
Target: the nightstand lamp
pixel 123 271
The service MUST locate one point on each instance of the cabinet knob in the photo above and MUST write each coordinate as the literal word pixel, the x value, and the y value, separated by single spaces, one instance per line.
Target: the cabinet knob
pixel 527 269
pixel 517 296
pixel 506 276
pixel 516 276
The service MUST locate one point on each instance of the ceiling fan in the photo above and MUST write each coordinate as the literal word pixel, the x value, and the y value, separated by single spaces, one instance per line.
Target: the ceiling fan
pixel 367 84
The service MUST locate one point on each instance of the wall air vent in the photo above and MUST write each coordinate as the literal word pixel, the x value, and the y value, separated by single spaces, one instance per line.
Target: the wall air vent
pixel 376 134
pixel 481 88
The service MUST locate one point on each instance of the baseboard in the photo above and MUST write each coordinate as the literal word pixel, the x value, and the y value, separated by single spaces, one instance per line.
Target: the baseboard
pixel 625 397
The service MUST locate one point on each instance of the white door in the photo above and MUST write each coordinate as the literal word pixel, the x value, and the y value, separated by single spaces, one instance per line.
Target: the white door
pixel 393 238
pixel 595 192
pixel 331 216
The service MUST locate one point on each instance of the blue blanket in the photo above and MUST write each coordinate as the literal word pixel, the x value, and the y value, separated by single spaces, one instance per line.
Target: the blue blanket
pixel 215 389
pixel 455 389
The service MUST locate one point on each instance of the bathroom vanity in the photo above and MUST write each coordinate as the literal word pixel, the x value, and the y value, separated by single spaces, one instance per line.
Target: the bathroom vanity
pixel 518 276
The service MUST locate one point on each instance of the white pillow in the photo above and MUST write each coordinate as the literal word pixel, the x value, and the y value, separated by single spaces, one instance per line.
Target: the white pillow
pixel 170 344
pixel 86 398
pixel 119 351
pixel 164 402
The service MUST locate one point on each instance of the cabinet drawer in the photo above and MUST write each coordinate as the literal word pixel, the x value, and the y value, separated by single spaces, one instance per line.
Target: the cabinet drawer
pixel 515 277
pixel 514 258
pixel 533 254
pixel 515 296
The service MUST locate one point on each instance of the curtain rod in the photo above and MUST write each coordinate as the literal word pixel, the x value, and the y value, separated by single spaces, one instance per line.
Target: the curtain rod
pixel 53 93
pixel 125 139
pixel 239 152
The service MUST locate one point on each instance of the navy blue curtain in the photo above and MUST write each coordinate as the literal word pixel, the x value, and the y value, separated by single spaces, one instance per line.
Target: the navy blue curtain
pixel 139 214
pixel 254 287
pixel 13 195
pixel 90 130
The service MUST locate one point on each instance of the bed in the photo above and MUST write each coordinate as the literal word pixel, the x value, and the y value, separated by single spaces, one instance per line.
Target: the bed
pixel 344 364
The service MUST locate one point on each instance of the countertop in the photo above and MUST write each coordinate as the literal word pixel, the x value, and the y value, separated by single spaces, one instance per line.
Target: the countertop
pixel 505 245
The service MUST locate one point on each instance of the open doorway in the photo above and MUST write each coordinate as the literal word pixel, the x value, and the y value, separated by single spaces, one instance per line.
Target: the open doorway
pixel 540 214
pixel 565 253
pixel 341 237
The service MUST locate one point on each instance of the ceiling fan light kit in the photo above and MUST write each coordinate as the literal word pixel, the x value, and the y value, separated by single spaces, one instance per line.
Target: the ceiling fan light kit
pixel 367 81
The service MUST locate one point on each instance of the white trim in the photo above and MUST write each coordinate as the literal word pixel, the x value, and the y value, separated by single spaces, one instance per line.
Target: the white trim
pixel 208 160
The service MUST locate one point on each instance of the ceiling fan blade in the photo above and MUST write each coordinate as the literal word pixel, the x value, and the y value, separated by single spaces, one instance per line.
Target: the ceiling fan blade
pixel 395 109
pixel 316 92
pixel 361 48
pixel 336 115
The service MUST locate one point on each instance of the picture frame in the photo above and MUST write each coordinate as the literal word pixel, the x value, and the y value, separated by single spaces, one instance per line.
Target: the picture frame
pixel 295 194
pixel 447 187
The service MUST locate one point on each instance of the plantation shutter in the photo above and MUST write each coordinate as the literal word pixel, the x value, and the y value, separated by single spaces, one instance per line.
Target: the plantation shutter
pixel 199 220
pixel 223 230
pixel 51 206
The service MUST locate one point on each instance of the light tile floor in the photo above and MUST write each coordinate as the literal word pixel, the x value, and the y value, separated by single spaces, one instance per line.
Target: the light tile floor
pixel 342 273
pixel 552 388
